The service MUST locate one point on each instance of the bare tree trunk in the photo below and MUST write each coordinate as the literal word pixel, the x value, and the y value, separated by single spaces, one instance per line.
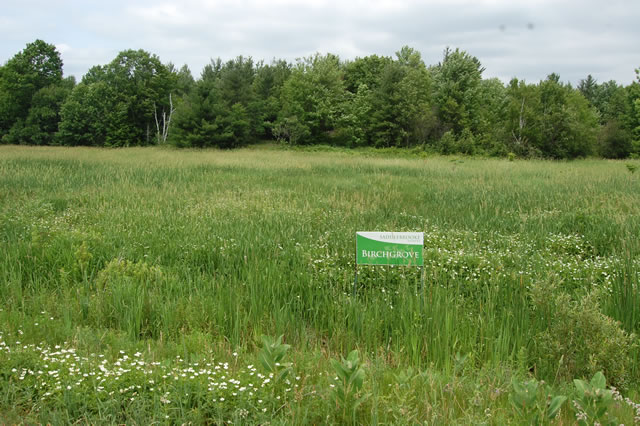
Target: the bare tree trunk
pixel 164 133
pixel 521 123
pixel 155 115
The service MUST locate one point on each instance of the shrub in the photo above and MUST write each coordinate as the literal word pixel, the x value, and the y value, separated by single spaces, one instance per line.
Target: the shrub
pixel 580 340
pixel 446 144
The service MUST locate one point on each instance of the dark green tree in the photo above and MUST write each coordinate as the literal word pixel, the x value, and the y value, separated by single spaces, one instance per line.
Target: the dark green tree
pixel 184 81
pixel 36 67
pixel 267 88
pixel 43 119
pixel 217 112
pixel 589 89
pixel 385 126
pixel 568 123
pixel 86 118
pixel 402 112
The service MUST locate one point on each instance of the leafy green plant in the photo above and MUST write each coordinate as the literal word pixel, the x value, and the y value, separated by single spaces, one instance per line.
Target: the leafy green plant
pixel 271 356
pixel 533 401
pixel 82 256
pixel 460 362
pixel 631 167
pixel 593 401
pixel 350 378
pixel 403 379
pixel 580 340
pixel 126 296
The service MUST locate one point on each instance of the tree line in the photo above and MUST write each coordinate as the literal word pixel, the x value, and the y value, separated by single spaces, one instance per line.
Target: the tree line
pixel 375 101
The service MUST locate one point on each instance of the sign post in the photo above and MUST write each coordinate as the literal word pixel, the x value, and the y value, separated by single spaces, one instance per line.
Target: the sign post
pixel 389 248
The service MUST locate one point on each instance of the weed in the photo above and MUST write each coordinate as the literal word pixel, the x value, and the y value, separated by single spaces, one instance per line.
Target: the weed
pixel 272 355
pixel 593 401
pixel 346 392
pixel 534 402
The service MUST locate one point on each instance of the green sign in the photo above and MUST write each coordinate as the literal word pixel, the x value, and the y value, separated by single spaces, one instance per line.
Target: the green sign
pixel 389 248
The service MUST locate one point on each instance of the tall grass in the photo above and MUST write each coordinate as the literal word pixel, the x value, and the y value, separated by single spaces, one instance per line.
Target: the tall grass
pixel 155 245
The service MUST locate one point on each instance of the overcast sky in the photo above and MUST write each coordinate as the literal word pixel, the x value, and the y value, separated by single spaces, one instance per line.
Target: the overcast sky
pixel 524 39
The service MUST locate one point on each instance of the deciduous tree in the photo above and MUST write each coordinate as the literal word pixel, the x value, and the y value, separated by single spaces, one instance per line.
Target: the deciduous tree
pixel 38 66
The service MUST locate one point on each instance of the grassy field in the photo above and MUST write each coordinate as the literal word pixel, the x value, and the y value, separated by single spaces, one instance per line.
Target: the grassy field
pixel 136 286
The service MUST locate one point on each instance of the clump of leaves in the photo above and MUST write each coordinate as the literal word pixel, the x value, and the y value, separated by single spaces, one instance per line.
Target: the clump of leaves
pixel 533 401
pixel 346 392
pixel 593 401
pixel 631 167
pixel 271 357
pixel 122 269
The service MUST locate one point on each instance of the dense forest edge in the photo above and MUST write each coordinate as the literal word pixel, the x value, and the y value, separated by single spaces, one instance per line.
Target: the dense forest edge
pixel 374 101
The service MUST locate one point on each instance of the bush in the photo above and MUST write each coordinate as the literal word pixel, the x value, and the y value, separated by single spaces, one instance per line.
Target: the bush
pixel 466 143
pixel 446 144
pixel 580 340
pixel 614 141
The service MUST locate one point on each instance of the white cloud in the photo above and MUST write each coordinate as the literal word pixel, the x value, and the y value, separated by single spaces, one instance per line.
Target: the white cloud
pixel 511 38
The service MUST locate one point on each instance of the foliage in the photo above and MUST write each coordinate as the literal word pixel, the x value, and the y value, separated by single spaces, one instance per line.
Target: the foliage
pixel 272 355
pixel 593 401
pixel 457 88
pixel 267 87
pixel 371 101
pixel 83 116
pixel 632 116
pixel 31 91
pixel 350 378
pixel 549 119
pixel 311 99
pixel 115 104
pixel 614 140
pixel 401 110
pixel 568 125
pixel 580 340
pixel 534 401
pixel 218 111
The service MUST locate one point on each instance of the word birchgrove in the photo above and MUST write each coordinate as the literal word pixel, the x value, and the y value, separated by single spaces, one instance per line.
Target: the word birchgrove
pixel 389 254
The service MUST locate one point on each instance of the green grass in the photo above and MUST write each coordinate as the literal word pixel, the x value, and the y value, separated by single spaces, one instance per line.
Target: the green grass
pixel 196 254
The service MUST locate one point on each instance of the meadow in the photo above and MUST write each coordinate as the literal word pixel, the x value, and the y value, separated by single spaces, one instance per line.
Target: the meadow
pixel 145 285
